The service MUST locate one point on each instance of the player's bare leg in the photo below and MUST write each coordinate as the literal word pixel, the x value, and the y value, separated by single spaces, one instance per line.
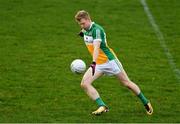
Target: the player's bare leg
pixel 86 84
pixel 87 81
pixel 122 76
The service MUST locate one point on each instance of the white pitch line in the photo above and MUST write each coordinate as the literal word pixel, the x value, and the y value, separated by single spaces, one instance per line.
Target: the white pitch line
pixel 160 36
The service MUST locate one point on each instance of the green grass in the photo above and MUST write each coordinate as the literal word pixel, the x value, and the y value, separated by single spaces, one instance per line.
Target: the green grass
pixel 38 42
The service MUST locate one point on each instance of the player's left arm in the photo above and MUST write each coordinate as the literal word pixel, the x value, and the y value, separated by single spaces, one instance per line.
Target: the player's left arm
pixel 81 33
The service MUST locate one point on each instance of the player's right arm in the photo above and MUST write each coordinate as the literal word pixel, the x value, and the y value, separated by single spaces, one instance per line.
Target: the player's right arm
pixel 95 55
pixel 96 45
pixel 96 50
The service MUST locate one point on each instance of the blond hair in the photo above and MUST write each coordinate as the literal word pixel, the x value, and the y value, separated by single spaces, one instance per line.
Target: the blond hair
pixel 82 14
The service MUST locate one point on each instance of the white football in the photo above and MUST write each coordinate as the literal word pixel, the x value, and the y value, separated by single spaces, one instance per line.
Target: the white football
pixel 78 66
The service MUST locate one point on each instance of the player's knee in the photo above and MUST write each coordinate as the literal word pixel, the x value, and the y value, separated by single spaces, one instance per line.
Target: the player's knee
pixel 84 85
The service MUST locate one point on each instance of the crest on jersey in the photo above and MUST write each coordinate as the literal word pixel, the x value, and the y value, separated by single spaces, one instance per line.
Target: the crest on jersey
pixel 88 39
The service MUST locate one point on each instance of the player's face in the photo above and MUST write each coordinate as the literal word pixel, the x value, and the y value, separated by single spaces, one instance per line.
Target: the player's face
pixel 85 23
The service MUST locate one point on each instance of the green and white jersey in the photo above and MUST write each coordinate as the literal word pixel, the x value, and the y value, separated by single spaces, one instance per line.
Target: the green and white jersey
pixel 94 34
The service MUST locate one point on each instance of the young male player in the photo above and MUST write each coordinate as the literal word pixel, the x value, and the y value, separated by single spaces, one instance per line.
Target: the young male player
pixel 104 61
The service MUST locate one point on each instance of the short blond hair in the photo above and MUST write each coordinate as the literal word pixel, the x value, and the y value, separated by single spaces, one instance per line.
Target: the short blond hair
pixel 82 14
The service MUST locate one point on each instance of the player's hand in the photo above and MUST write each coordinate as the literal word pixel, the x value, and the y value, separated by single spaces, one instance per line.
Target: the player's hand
pixel 93 66
pixel 81 34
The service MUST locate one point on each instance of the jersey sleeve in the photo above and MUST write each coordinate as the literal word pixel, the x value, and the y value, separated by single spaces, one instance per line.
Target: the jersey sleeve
pixel 97 35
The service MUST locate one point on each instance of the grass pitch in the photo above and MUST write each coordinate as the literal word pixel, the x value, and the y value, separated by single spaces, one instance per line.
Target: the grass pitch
pixel 38 42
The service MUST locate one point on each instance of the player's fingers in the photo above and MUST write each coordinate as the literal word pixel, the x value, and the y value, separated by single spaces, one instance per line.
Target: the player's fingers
pixel 93 71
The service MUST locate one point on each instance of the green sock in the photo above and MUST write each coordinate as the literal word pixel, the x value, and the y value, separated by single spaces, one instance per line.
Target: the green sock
pixel 143 98
pixel 100 102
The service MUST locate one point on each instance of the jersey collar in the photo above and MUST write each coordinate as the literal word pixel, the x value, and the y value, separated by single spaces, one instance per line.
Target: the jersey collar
pixel 91 25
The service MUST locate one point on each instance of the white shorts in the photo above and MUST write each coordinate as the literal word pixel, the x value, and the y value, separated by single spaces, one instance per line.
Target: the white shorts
pixel 112 67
